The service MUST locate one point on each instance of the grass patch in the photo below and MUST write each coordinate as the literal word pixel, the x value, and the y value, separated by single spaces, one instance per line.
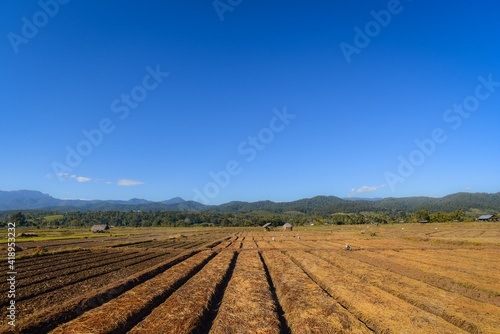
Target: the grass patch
pixel 52 218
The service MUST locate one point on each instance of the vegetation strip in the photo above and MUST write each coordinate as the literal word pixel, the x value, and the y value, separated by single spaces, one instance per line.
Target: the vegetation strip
pixel 187 308
pixel 378 309
pixel 308 309
pixel 133 305
pixel 248 304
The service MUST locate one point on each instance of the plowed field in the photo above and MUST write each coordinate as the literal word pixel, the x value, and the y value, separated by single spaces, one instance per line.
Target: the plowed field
pixel 245 282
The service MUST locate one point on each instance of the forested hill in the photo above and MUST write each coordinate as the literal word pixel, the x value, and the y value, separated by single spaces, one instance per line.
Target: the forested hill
pixel 458 201
pixel 488 203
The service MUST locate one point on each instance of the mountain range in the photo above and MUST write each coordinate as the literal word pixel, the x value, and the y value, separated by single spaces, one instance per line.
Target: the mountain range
pixel 30 199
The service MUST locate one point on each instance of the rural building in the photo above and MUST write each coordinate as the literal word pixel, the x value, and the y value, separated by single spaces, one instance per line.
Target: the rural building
pixel 99 228
pixel 266 226
pixel 288 227
pixel 488 218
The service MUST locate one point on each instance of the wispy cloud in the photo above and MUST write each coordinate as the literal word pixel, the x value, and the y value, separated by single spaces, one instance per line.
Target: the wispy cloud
pixel 125 182
pixel 468 188
pixel 66 177
pixel 63 176
pixel 365 189
pixel 81 178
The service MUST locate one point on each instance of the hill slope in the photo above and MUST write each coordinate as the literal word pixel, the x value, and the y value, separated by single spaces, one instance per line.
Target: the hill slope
pixel 27 199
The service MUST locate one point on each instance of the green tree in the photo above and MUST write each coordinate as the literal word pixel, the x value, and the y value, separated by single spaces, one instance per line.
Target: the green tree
pixel 422 215
pixel 18 218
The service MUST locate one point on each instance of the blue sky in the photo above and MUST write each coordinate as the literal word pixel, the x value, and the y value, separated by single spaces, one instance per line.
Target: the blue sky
pixel 249 100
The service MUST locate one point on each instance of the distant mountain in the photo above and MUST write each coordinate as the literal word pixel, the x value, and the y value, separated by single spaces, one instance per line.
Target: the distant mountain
pixel 31 199
pixel 17 194
pixel 174 200
pixel 362 198
pixel 130 201
pixel 27 199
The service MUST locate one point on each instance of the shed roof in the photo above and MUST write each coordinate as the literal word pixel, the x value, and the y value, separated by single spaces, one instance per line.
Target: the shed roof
pixel 99 227
pixel 287 225
pixel 485 217
pixel 266 224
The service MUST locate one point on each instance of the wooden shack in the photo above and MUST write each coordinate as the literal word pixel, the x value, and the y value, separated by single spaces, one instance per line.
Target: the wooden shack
pixel 99 228
pixel 488 218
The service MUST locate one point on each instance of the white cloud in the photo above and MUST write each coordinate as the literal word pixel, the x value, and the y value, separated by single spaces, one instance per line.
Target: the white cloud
pixel 365 189
pixel 468 188
pixel 49 176
pixel 81 178
pixel 125 182
pixel 108 182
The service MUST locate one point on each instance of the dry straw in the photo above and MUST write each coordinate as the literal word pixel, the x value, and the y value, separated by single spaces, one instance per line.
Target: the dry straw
pixel 467 314
pixel 449 283
pixel 380 310
pixel 308 309
pixel 185 310
pixel 248 305
pixel 120 311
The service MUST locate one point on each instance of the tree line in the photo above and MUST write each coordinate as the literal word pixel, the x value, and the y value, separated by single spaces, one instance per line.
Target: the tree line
pixel 43 219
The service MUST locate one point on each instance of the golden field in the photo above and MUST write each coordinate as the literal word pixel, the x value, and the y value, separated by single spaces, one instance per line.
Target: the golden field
pixel 401 278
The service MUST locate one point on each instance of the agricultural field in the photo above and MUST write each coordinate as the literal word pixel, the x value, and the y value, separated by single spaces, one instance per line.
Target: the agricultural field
pixel 401 278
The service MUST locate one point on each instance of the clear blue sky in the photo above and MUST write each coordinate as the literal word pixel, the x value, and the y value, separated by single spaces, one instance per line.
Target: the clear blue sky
pixel 351 105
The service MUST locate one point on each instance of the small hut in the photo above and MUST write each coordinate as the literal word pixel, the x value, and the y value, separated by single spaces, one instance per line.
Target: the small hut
pixel 288 227
pixel 488 218
pixel 99 228
pixel 266 226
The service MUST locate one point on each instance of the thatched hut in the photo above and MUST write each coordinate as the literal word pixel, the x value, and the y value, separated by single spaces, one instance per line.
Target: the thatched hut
pixel 99 228
pixel 288 227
